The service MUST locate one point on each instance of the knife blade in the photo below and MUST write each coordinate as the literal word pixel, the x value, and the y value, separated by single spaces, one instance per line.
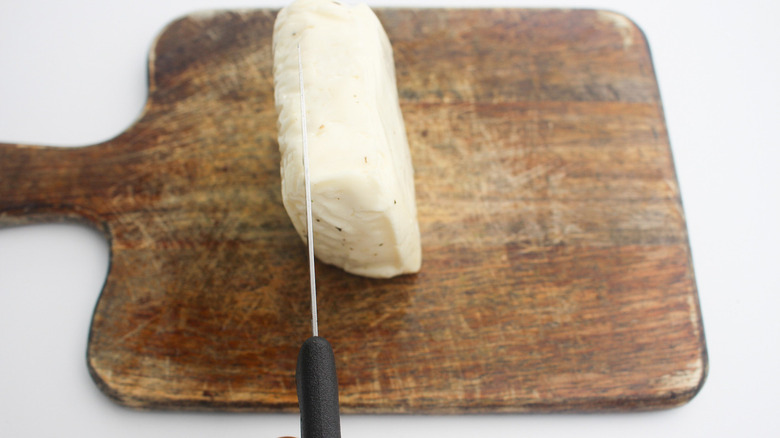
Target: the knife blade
pixel 315 373
pixel 307 189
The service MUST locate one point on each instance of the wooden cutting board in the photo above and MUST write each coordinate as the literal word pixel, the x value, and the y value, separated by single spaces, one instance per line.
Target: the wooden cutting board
pixel 557 272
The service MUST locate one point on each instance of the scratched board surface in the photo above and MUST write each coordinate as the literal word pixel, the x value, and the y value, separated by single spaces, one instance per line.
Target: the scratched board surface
pixel 556 266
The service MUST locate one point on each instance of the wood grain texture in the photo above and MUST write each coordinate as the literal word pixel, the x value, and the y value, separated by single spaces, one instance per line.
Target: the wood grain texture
pixel 556 267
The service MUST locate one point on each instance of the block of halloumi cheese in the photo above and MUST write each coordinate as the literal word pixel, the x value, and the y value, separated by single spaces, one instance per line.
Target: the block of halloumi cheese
pixel 362 180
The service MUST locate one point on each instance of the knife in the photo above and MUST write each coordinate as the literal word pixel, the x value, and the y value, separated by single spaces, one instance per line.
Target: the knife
pixel 315 373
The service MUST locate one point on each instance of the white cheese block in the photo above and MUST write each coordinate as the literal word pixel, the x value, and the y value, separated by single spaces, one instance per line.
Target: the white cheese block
pixel 362 181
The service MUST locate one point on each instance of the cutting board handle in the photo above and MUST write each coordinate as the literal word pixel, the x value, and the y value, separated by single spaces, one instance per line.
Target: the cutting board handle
pixel 47 184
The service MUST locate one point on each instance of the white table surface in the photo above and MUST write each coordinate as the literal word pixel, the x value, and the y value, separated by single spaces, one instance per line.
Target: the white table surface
pixel 74 73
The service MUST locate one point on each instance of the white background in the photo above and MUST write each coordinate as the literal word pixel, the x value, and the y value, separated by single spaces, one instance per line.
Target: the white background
pixel 74 73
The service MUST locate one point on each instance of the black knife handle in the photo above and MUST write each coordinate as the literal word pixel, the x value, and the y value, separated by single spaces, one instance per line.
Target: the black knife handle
pixel 318 390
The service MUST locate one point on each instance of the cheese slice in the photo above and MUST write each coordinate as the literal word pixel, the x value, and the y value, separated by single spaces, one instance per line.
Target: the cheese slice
pixel 362 180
